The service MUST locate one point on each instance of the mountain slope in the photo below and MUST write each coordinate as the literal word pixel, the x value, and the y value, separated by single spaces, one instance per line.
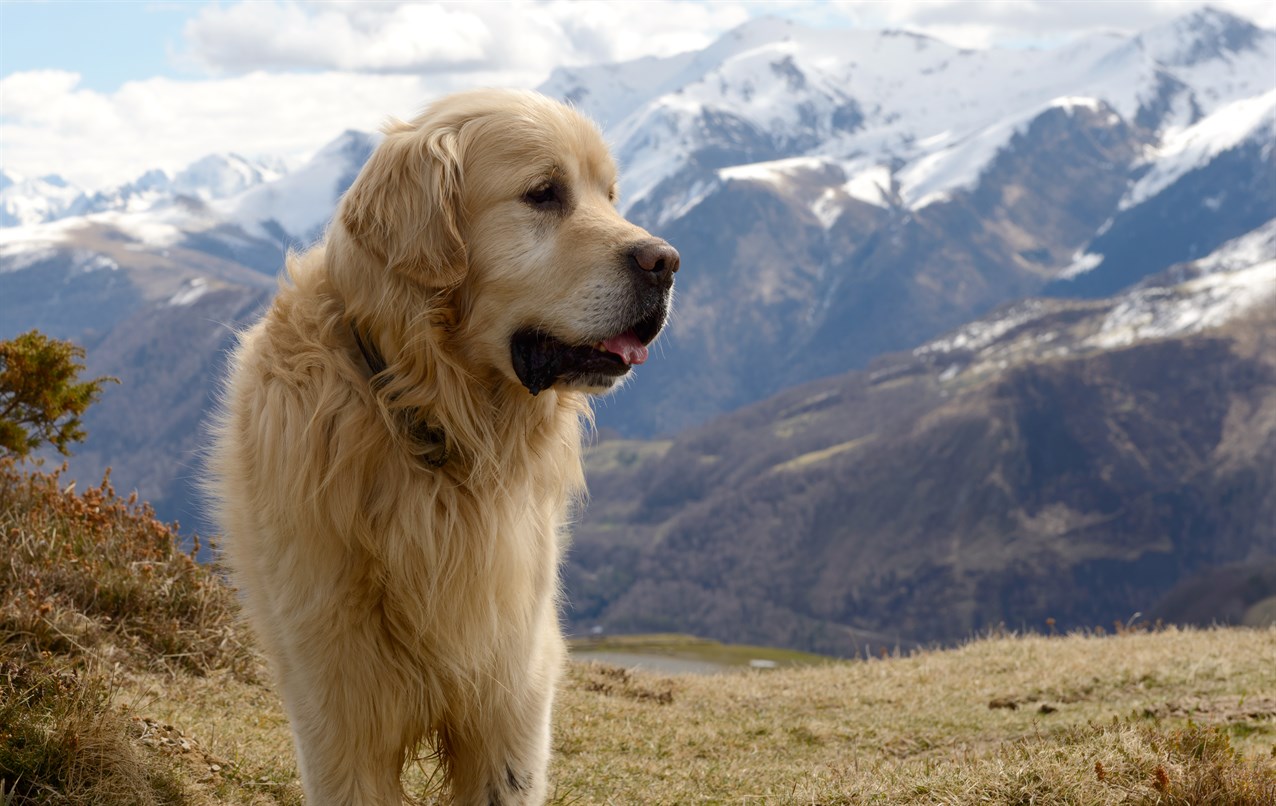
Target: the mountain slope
pixel 1059 459
pixel 773 89
pixel 1209 183
pixel 29 201
pixel 838 195
pixel 129 678
pixel 835 195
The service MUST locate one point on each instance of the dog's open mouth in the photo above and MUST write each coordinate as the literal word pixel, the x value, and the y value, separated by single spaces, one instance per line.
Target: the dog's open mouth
pixel 541 359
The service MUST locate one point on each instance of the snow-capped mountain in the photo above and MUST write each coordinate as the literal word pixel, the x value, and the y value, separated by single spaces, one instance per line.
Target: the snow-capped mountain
pixel 1057 459
pixel 52 198
pixel 1229 283
pixel 33 200
pixel 844 194
pixel 836 195
pixel 929 115
pixel 297 207
pixel 1202 186
pixel 222 202
pixel 220 176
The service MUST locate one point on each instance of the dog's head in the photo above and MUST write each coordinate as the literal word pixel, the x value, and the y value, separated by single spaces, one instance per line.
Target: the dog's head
pixel 504 203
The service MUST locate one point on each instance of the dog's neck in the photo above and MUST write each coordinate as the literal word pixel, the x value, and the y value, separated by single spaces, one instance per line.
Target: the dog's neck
pixel 427 441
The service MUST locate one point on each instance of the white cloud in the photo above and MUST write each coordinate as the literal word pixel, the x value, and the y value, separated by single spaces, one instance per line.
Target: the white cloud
pixel 344 36
pixel 361 62
pixel 984 23
pixel 97 139
pixel 412 37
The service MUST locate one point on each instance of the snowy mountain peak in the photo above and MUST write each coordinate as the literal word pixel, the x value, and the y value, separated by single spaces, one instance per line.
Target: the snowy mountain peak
pixel 30 201
pixel 1249 119
pixel 219 176
pixel 349 142
pixel 297 206
pixel 1201 36
pixel 773 90
pixel 154 179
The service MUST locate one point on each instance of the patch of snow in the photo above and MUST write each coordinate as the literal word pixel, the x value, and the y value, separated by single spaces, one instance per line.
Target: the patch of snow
pixel 20 255
pixel 960 164
pixel 1195 146
pixel 154 228
pixel 151 231
pixel 1251 249
pixel 1082 262
pixel 774 171
pixel 302 202
pixel 872 185
pixel 868 182
pixel 684 204
pixel 19 244
pixel 979 335
pixel 191 291
pixel 1236 277
pixel 938 197
pixel 1073 102
pixel 16 257
pixel 1199 304
pixel 828 207
pixel 26 201
pixel 96 262
pixel 219 176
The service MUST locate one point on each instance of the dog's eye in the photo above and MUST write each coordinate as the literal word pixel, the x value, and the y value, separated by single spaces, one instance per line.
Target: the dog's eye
pixel 545 197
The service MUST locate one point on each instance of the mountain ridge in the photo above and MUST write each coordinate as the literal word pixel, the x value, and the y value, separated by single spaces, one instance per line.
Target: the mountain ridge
pixel 931 221
pixel 1060 459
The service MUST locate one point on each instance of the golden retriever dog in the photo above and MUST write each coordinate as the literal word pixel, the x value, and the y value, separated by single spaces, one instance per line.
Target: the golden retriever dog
pixel 400 444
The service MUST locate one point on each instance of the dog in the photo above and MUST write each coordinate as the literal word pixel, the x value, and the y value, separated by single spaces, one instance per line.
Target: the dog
pixel 399 445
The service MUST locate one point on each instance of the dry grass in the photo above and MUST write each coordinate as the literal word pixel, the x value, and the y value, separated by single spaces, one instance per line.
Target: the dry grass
pixel 95 593
pixel 686 647
pixel 61 742
pixel 120 685
pixel 1001 720
pixel 92 573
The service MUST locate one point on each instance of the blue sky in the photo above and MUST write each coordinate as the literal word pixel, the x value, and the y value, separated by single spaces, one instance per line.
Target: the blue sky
pixel 101 91
pixel 107 43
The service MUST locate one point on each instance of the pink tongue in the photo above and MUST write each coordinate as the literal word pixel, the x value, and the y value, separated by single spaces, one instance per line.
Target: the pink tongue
pixel 627 346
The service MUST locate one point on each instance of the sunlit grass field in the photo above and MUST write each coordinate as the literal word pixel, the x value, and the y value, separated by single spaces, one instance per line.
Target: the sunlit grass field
pixel 125 678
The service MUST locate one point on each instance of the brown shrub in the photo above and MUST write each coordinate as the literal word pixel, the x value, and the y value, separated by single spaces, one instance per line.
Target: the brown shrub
pixel 93 573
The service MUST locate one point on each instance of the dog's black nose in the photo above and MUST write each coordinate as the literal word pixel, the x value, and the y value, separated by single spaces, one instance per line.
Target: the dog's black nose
pixel 655 260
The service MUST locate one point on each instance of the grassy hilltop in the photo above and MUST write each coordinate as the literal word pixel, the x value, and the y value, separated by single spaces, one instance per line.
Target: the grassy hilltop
pixel 124 678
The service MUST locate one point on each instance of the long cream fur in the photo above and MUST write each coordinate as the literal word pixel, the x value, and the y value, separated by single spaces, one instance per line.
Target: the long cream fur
pixel 401 603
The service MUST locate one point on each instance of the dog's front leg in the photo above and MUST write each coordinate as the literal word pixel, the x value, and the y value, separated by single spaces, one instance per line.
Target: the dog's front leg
pixel 498 752
pixel 349 730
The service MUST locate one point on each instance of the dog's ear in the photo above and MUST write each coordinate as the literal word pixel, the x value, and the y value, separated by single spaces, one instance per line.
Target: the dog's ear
pixel 404 207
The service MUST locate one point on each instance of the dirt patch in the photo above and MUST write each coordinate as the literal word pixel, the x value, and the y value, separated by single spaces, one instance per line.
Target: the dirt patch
pixel 615 681
pixel 1217 710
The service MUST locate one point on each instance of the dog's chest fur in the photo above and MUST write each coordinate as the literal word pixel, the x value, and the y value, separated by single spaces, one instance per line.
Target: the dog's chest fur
pixel 455 561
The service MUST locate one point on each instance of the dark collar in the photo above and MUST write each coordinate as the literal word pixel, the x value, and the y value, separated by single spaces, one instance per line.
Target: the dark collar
pixel 428 443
